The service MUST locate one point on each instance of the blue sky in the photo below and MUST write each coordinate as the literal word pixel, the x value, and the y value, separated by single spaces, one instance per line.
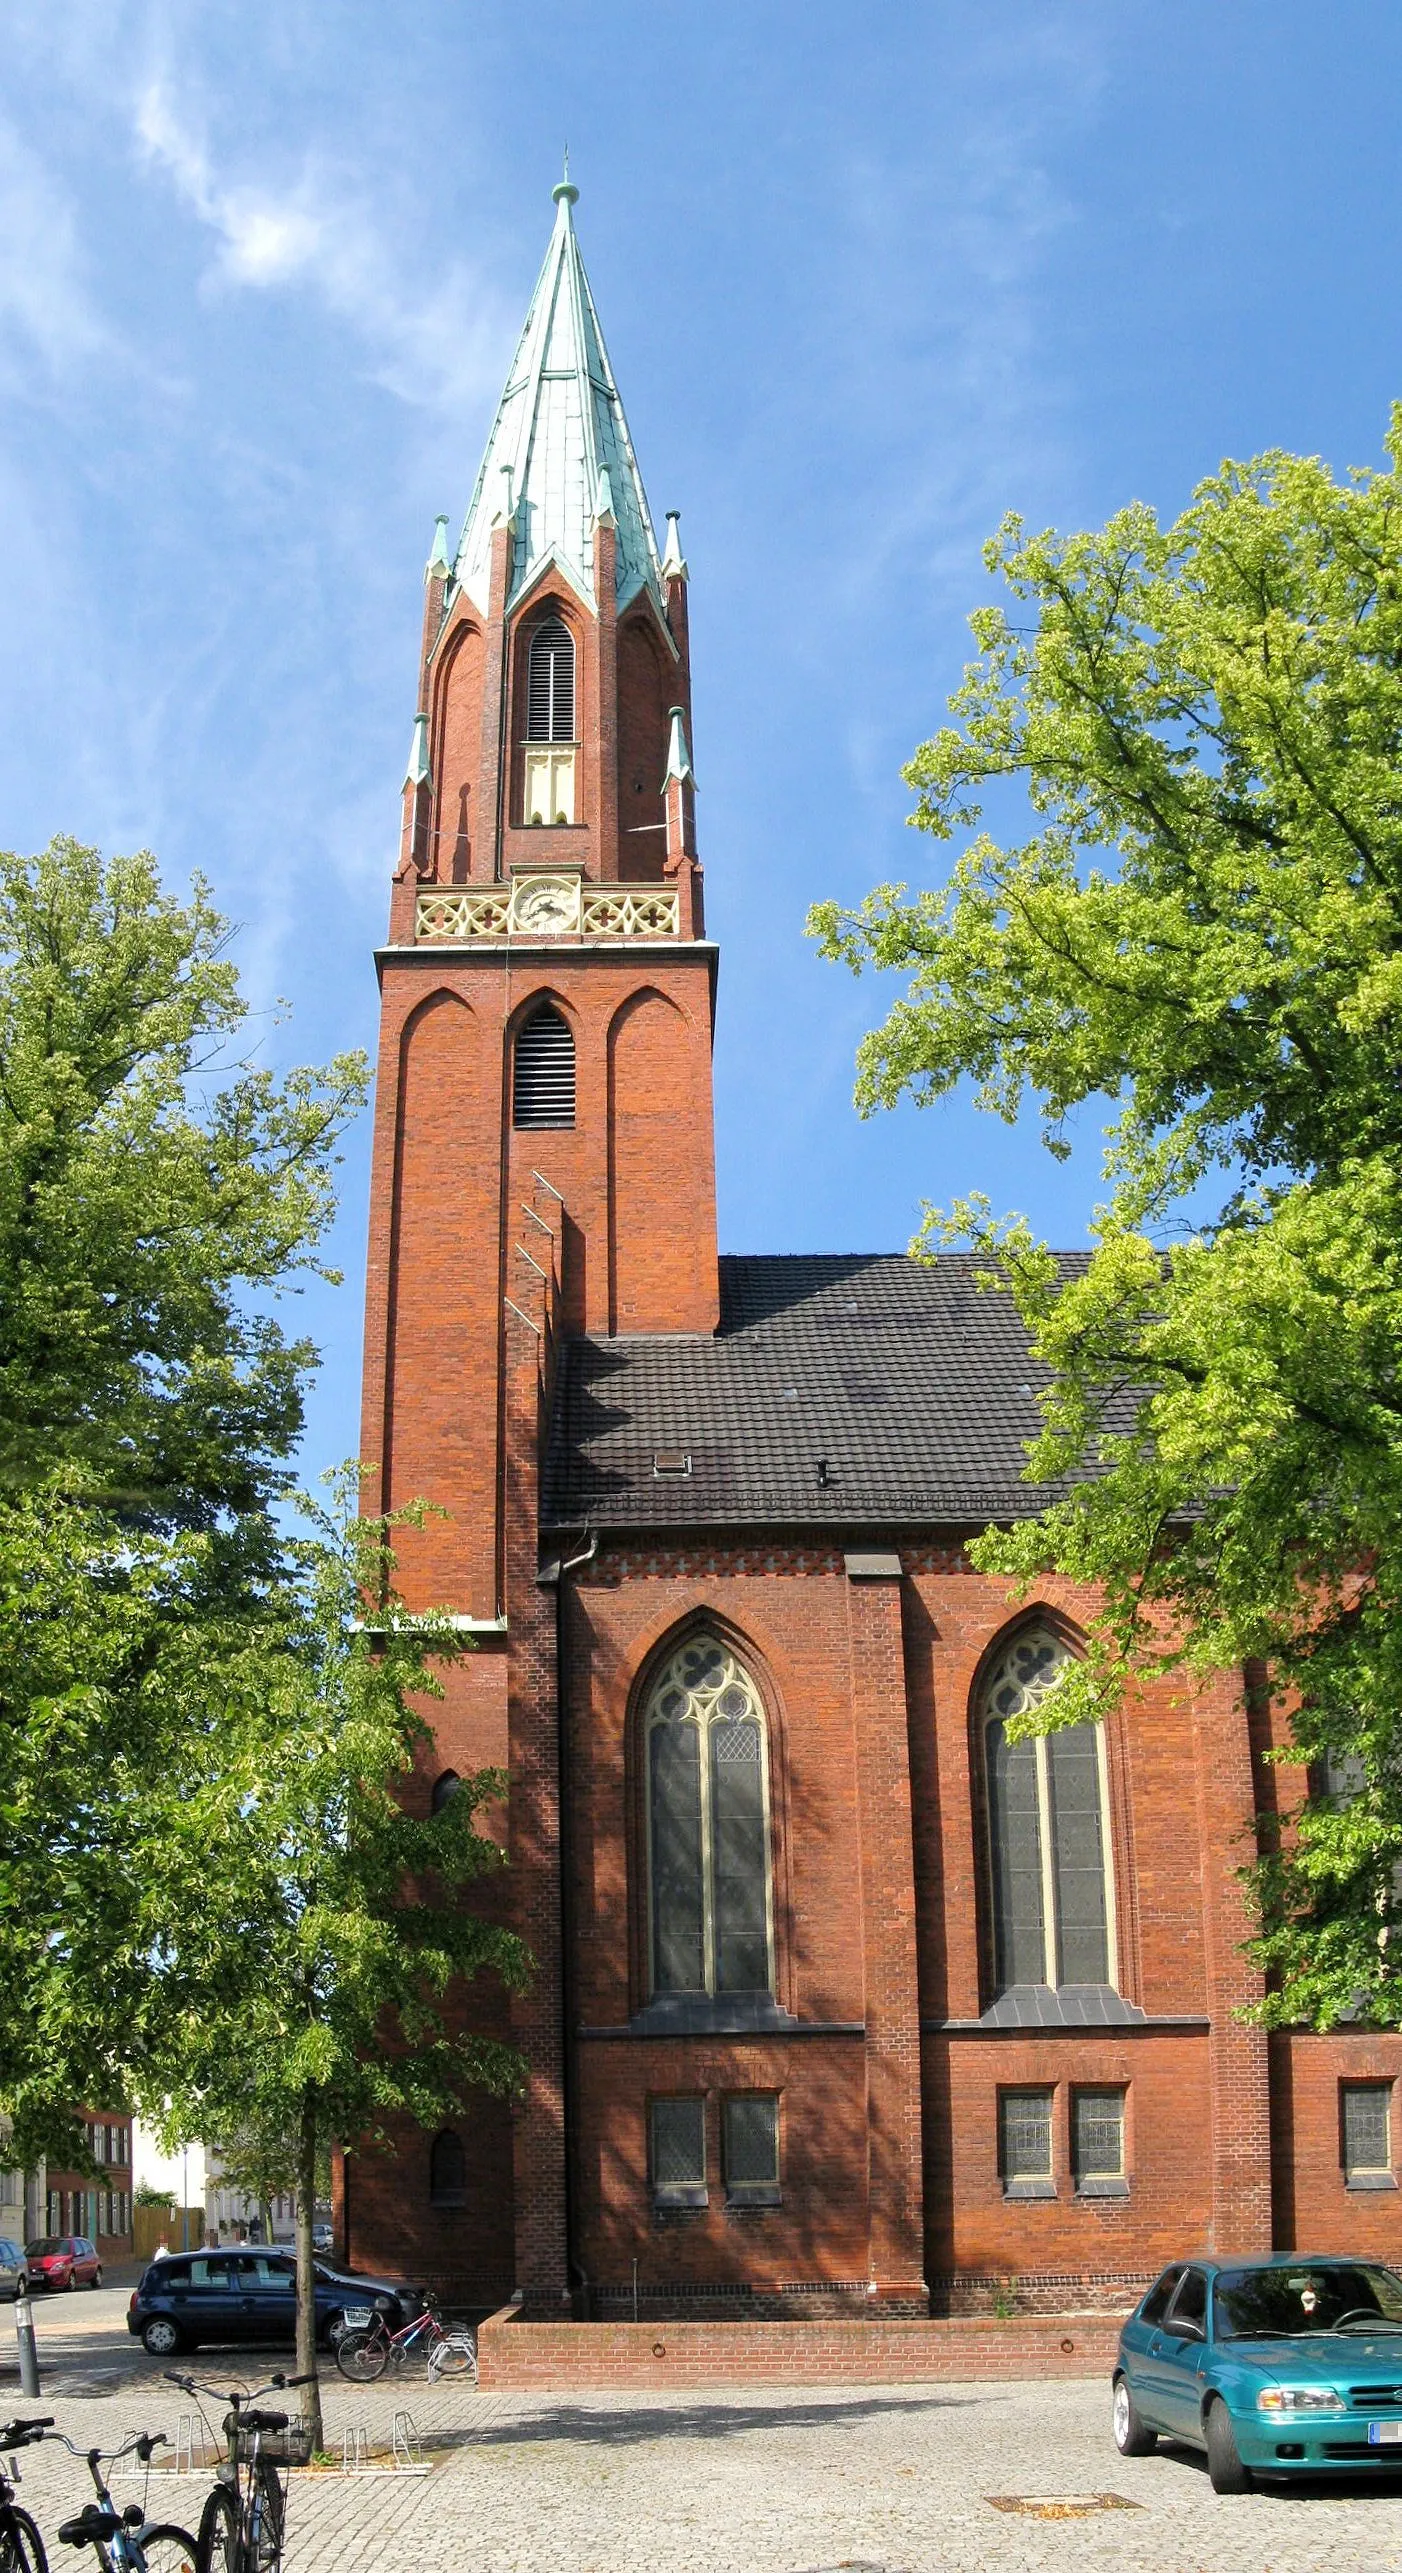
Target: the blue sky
pixel 869 276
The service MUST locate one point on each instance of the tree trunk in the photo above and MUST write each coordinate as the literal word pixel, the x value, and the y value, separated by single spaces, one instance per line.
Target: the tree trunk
pixel 306 2270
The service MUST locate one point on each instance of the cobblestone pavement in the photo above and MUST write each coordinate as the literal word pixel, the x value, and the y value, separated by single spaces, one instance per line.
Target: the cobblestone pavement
pixel 885 2479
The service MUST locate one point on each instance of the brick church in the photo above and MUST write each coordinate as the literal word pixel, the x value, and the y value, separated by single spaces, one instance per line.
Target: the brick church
pixel 844 2002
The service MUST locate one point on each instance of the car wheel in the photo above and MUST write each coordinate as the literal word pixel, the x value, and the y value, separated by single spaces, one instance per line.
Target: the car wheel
pixel 1131 2436
pixel 72 2279
pixel 161 2338
pixel 1223 2456
pixel 97 2278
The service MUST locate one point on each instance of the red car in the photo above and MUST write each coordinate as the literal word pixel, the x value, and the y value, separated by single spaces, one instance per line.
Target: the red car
pixel 63 2260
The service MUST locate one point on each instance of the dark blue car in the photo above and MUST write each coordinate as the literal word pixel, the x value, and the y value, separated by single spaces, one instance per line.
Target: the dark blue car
pixel 1286 2366
pixel 191 2298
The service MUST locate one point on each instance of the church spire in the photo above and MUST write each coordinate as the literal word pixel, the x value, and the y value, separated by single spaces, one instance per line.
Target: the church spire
pixel 561 432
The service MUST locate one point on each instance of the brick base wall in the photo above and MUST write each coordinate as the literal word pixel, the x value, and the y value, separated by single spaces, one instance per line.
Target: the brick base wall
pixel 1001 2295
pixel 531 2357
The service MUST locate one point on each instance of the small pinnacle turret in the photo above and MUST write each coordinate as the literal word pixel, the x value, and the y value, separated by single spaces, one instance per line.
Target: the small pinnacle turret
pixel 674 560
pixel 678 756
pixel 417 772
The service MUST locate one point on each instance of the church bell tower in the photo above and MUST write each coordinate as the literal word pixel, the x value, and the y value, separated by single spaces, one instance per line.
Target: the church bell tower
pixel 547 987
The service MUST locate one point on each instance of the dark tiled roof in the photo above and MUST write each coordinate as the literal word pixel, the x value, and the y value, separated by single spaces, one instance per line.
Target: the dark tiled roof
pixel 838 1390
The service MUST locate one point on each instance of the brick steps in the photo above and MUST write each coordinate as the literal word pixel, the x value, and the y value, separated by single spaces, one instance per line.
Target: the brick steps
pixel 518 2356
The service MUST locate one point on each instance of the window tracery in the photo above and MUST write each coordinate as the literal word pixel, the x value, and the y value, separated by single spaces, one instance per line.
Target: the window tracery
pixel 1048 1832
pixel 710 1896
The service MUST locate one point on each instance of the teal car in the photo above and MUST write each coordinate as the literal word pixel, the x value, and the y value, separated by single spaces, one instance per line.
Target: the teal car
pixel 1285 2366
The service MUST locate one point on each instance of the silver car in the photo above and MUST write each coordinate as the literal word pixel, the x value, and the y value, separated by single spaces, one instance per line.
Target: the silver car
pixel 14 2268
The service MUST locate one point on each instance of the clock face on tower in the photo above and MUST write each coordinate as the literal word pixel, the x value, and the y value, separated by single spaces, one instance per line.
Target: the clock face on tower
pixel 547 909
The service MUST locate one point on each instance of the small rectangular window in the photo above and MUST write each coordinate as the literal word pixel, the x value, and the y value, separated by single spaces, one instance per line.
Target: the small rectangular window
pixel 1365 2124
pixel 679 2152
pixel 1025 2143
pixel 750 2142
pixel 1098 2144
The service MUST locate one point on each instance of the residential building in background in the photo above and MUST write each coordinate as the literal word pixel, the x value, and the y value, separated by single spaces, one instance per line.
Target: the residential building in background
pixel 100 2206
pixel 195 2177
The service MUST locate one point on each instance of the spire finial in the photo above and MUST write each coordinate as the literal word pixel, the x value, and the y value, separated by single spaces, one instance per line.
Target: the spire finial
pixel 566 187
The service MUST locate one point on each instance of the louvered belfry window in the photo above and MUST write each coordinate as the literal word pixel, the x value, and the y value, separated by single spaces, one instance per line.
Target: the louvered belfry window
pixel 542 1088
pixel 550 683
pixel 1048 1845
pixel 708 1826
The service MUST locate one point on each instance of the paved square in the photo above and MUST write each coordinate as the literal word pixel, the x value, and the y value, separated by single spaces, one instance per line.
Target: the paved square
pixel 886 2479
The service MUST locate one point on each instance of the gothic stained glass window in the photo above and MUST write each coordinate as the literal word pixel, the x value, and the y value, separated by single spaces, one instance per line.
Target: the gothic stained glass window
pixel 708 1826
pixel 1048 1849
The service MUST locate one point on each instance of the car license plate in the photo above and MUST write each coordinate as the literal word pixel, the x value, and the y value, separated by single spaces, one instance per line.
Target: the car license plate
pixel 358 2318
pixel 1385 2434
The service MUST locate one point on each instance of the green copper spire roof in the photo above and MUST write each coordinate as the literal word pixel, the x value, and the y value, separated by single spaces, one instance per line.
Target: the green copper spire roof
pixel 561 432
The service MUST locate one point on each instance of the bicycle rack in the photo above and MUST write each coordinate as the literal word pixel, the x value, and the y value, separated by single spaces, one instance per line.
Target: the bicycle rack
pixel 128 2470
pixel 409 2458
pixel 194 2449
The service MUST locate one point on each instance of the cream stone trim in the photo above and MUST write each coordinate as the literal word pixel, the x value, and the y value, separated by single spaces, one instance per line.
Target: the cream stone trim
pixel 549 906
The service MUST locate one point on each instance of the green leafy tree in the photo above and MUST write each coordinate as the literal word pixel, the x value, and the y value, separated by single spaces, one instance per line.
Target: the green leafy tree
pixel 321 1991
pixel 157 1194
pixel 1203 926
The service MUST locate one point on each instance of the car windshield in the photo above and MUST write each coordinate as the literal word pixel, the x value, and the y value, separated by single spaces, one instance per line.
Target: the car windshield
pixel 49 2243
pixel 1313 2296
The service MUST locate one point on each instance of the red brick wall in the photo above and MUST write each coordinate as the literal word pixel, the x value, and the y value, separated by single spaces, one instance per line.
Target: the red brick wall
pixel 436 1439
pixel 523 2356
pixel 661 1219
pixel 841 1854
pixel 1315 2210
pixel 462 842
pixel 975 2230
pixel 821 2234
pixel 648 684
pixel 444 1229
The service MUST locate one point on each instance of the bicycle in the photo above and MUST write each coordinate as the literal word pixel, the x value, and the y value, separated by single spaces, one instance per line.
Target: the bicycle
pixel 243 2523
pixel 21 2546
pixel 125 2541
pixel 366 2349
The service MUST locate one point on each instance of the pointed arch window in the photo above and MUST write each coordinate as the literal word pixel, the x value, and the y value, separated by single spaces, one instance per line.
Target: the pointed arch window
pixel 542 1075
pixel 549 756
pixel 1048 1829
pixel 709 1882
pixel 550 683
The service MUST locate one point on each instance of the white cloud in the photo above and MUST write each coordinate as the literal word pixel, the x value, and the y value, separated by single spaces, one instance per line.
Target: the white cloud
pixel 443 349
pixel 43 299
pixel 263 240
